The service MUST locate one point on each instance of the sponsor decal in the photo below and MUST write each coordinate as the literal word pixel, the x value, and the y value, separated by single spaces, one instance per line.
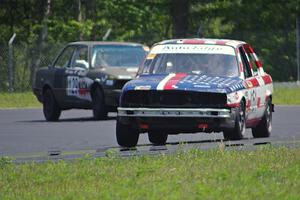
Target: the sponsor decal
pixel 78 72
pixel 78 87
pixel 253 95
pixel 246 94
pixel 258 102
pixel 72 85
pixel 201 86
pixel 249 84
pixel 191 48
pixel 142 87
pixel 151 56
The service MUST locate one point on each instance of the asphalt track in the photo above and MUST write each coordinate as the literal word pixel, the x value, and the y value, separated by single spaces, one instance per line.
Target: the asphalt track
pixel 24 133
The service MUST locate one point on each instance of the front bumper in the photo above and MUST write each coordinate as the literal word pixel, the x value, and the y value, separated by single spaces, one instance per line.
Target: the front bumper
pixel 178 120
pixel 174 112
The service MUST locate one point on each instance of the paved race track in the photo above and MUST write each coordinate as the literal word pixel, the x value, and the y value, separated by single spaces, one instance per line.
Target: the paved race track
pixel 24 132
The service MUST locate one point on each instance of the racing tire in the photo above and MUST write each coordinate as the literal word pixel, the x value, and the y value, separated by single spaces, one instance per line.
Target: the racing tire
pixel 264 127
pixel 237 133
pixel 126 135
pixel 157 138
pixel 99 107
pixel 51 108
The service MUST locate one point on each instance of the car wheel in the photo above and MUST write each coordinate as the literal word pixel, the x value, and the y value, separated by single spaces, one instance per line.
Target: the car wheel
pixel 240 125
pixel 157 138
pixel 126 135
pixel 264 127
pixel 99 107
pixel 51 109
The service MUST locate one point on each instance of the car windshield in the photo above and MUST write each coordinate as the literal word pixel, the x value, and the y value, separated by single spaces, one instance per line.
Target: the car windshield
pixel 117 56
pixel 209 63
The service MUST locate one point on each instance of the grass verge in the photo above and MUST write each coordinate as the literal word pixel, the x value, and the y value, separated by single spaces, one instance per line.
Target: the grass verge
pixel 268 173
pixel 19 100
pixel 286 96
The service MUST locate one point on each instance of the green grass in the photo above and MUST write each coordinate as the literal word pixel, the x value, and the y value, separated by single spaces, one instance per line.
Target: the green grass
pixel 18 100
pixel 282 96
pixel 286 96
pixel 268 173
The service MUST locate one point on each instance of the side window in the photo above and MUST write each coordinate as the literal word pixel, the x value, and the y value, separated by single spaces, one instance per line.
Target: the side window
pixel 64 58
pixel 246 66
pixel 146 66
pixel 80 58
pixel 251 60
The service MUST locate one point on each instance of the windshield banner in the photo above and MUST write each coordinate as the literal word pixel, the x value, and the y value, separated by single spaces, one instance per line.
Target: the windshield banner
pixel 197 49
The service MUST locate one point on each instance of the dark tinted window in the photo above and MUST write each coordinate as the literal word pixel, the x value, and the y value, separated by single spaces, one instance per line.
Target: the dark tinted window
pixel 246 66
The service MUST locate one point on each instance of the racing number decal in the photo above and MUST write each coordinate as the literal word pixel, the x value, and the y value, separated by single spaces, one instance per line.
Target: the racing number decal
pixel 72 85
pixel 78 87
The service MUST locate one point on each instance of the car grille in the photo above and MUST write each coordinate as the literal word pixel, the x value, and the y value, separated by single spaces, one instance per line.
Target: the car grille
pixel 173 99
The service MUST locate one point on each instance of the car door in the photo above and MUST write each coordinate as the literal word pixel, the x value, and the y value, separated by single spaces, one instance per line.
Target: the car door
pixel 76 81
pixel 252 93
pixel 60 66
pixel 257 73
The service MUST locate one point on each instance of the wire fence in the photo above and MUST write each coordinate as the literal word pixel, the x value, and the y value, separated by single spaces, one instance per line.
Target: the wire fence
pixel 27 59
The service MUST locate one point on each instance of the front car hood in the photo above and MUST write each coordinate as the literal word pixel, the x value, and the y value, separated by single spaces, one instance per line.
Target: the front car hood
pixel 197 83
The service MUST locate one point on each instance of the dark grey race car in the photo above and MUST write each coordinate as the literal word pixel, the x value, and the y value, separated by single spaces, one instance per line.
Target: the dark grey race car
pixel 87 75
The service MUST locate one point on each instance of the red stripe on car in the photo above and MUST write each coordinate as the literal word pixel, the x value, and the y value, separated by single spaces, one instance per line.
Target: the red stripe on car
pixel 170 85
pixel 221 42
pixel 267 79
pixel 233 105
pixel 258 63
pixel 192 41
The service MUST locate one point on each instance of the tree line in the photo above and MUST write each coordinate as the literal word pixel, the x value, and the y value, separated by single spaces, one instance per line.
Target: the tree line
pixel 267 25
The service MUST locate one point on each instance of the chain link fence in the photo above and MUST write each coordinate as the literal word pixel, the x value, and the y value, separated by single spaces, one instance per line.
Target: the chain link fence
pixel 25 61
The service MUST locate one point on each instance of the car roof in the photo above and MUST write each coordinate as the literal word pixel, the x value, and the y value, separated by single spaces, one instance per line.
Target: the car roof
pixel 226 42
pixel 104 43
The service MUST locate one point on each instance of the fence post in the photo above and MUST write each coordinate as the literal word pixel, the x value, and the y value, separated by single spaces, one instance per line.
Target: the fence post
pixel 298 46
pixel 106 34
pixel 10 63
